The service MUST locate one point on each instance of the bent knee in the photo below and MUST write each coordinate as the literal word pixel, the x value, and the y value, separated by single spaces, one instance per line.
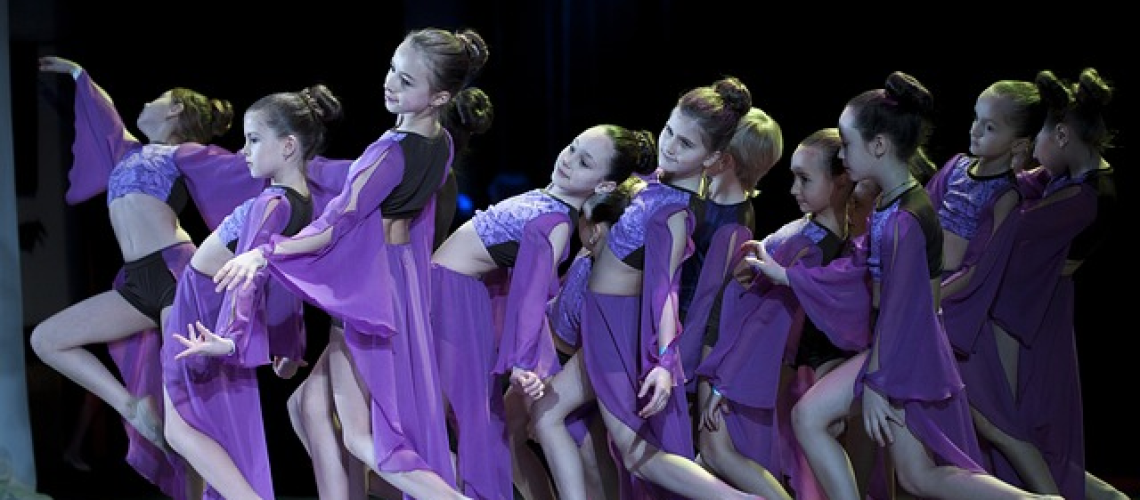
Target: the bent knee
pixel 44 340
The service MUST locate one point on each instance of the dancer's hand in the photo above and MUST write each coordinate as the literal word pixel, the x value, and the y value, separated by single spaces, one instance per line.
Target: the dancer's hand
pixel 287 367
pixel 659 383
pixel 764 263
pixel 713 415
pixel 201 340
pixel 53 64
pixel 878 415
pixel 239 270
pixel 528 383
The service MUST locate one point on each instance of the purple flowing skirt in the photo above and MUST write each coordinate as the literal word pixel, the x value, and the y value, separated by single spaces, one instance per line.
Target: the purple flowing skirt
pixel 610 349
pixel 218 398
pixel 465 337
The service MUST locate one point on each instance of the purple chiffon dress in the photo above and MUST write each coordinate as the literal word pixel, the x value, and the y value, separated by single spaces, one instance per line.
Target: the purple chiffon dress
pixel 1061 219
pixel 619 333
pixel 219 396
pixel 380 291
pixel 484 327
pixel 760 328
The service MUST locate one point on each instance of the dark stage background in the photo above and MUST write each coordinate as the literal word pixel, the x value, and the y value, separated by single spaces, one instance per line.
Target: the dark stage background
pixel 555 69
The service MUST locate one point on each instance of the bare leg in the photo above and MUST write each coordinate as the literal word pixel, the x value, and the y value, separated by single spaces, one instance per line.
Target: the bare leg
pixel 721 457
pixel 1025 458
pixel 919 475
pixel 565 392
pixel 206 456
pixel 601 471
pixel 102 318
pixel 353 408
pixel 672 472
pixel 311 413
pixel 1098 489
pixel 825 404
pixel 530 475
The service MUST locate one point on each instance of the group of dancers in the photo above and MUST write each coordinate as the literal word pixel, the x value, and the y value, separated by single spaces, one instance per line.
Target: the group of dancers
pixel 621 332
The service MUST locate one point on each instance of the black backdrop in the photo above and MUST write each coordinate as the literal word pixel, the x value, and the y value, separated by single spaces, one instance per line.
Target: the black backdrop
pixel 559 67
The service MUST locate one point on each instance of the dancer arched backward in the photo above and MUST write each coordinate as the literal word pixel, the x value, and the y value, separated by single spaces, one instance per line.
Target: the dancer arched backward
pixel 564 312
pixel 529 231
pixel 147 186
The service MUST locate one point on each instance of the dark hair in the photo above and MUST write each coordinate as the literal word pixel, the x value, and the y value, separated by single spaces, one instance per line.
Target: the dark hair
pixel 756 145
pixel 1080 105
pixel 303 114
pixel 468 113
pixel 202 118
pixel 827 140
pixel 606 206
pixel 455 59
pixel 717 108
pixel 635 151
pixel 902 111
pixel 1026 112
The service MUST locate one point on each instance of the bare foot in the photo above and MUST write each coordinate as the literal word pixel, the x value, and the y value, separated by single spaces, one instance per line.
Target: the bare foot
pixel 143 417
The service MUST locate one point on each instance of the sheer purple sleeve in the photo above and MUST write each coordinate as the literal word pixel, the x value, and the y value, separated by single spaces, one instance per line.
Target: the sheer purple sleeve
pixel 1044 232
pixel 217 179
pixel 326 178
pixel 724 244
pixel 915 361
pixel 253 317
pixel 348 274
pixel 524 343
pixel 757 327
pixel 987 253
pixel 101 140
pixel 659 288
pixel 837 298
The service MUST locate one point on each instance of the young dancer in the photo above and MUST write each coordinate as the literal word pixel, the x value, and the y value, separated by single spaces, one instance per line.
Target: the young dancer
pixel 912 398
pixel 381 370
pixel 629 361
pixel 1069 207
pixel 147 185
pixel 563 313
pixel 529 231
pixel 744 417
pixel 212 406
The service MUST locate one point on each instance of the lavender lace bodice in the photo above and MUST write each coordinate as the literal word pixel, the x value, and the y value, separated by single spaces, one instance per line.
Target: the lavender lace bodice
pixel 232 226
pixel 628 234
pixel 149 170
pixel 966 196
pixel 503 222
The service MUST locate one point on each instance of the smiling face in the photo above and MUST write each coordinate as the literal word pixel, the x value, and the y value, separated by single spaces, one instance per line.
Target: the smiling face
pixel 407 87
pixel 266 152
pixel 584 163
pixel 681 148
